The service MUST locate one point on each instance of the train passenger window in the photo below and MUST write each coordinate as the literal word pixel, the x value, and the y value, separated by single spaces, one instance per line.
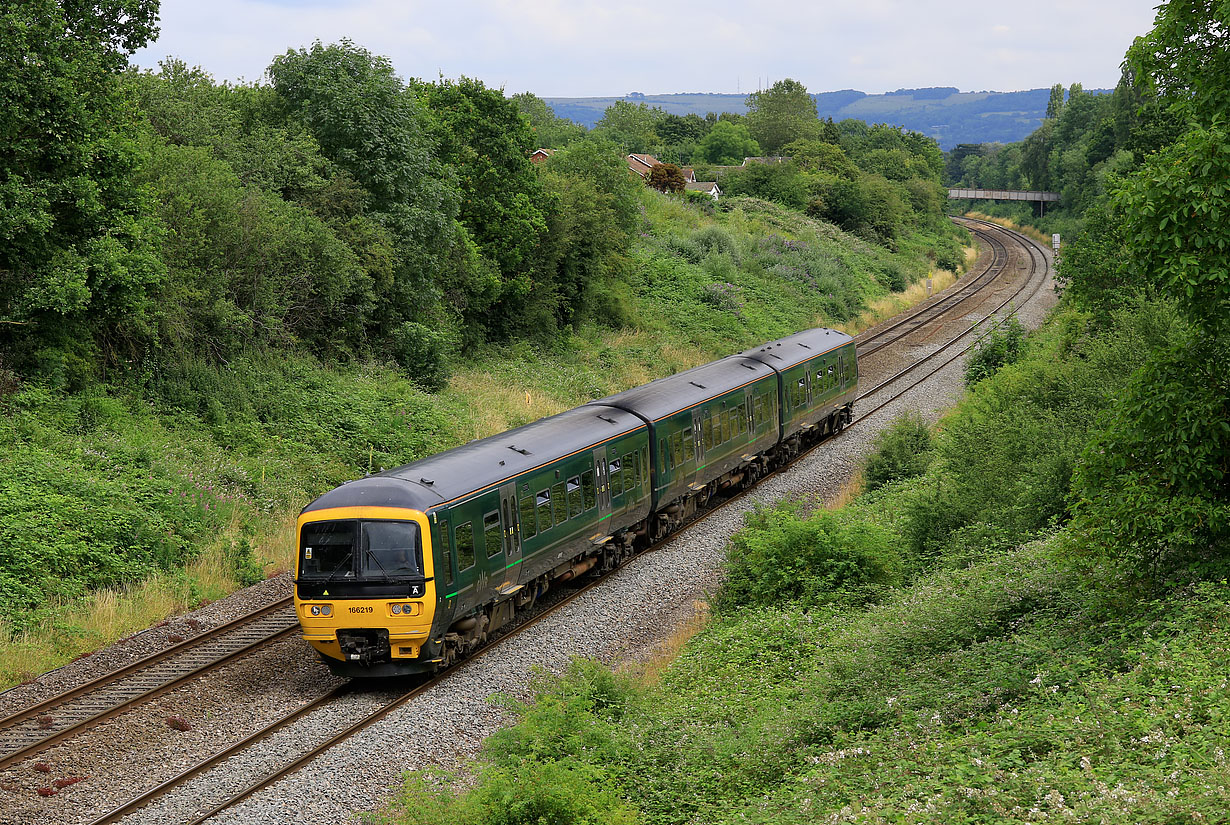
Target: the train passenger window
pixel 665 453
pixel 706 433
pixel 492 534
pixel 832 375
pixel 528 528
pixel 615 476
pixel 644 464
pixel 677 448
pixel 629 472
pixel 574 497
pixel 542 502
pixel 559 503
pixel 446 552
pixel 587 487
pixel 724 435
pixel 465 546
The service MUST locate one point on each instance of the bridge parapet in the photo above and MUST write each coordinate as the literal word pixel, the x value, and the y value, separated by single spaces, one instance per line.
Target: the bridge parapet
pixel 1003 195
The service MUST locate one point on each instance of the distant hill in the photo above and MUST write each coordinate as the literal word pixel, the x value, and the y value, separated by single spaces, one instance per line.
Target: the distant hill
pixel 945 113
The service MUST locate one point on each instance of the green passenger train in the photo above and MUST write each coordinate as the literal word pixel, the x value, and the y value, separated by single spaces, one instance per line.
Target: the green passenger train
pixel 408 570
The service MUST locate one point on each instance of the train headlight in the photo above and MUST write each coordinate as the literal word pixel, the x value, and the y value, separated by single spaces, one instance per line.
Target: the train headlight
pixel 396 609
pixel 326 609
pixel 314 610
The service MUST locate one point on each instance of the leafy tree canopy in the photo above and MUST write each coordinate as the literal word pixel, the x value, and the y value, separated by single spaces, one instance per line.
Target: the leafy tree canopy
pixel 550 131
pixel 631 126
pixel 781 113
pixel 1185 59
pixel 78 235
pixel 728 144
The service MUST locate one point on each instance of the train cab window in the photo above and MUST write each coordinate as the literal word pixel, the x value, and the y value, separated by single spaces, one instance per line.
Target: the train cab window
pixel 587 487
pixel 543 503
pixel 574 497
pixel 559 503
pixel 390 548
pixel 629 473
pixel 446 553
pixel 492 534
pixel 326 548
pixel 528 524
pixel 615 476
pixel 465 546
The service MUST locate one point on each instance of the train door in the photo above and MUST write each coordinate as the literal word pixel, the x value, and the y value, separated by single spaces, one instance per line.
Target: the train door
pixel 698 433
pixel 602 479
pixel 511 522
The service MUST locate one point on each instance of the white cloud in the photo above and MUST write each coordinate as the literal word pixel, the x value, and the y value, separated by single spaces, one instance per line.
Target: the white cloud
pixel 589 48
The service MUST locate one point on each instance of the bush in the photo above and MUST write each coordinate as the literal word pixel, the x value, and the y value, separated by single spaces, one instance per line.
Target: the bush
pixel 1001 347
pixel 901 451
pixel 783 556
pixel 420 352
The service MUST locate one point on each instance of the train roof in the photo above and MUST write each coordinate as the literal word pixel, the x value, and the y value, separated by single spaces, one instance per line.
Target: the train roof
pixel 785 353
pixel 678 392
pixel 487 462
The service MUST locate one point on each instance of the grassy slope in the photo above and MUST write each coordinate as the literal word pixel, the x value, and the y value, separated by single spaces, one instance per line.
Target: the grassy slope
pixel 187 481
pixel 995 682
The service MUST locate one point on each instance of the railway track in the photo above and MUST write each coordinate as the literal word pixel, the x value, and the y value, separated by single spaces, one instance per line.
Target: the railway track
pixel 946 353
pixel 53 720
pixel 22 734
pixel 924 315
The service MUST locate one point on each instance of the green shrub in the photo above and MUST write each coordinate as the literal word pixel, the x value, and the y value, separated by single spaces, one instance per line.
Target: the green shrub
pixel 901 451
pixel 1002 346
pixel 420 351
pixel 782 556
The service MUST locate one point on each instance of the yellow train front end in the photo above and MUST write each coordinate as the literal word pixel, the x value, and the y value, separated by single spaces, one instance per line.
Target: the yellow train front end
pixel 365 591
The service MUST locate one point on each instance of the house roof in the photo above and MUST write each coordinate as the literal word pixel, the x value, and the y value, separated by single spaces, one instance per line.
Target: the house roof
pixel 701 186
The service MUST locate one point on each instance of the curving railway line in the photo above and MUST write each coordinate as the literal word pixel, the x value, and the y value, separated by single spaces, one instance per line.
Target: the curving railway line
pixel 1019 273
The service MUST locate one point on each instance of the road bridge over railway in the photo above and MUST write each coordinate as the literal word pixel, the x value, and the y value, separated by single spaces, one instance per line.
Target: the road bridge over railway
pixel 1040 198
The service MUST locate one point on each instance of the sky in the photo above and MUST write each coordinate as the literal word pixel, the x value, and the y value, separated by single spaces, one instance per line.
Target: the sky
pixel 582 48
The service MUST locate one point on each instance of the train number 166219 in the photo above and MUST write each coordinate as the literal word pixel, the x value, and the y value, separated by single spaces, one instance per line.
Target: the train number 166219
pixel 367 609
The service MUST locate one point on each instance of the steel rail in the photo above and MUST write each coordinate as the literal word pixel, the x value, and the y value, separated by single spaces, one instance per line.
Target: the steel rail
pixel 87 705
pixel 387 708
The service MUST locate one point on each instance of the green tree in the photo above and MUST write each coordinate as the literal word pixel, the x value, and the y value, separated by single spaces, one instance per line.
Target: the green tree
pixel 550 131
pixel 728 144
pixel 482 136
pixel 79 257
pixel 1154 489
pixel 781 113
pixel 1054 106
pixel 370 124
pixel 631 126
pixel 1185 59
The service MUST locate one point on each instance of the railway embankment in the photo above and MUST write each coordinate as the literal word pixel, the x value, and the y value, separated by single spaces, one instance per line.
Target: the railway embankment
pixel 613 633
pixel 942 647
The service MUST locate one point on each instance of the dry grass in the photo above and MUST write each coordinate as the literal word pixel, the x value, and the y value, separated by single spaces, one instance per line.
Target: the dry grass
pixel 664 652
pixel 897 302
pixel 70 630
pixel 1030 231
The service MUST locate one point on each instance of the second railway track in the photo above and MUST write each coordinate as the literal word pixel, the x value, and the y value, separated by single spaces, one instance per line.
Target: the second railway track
pixel 947 303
